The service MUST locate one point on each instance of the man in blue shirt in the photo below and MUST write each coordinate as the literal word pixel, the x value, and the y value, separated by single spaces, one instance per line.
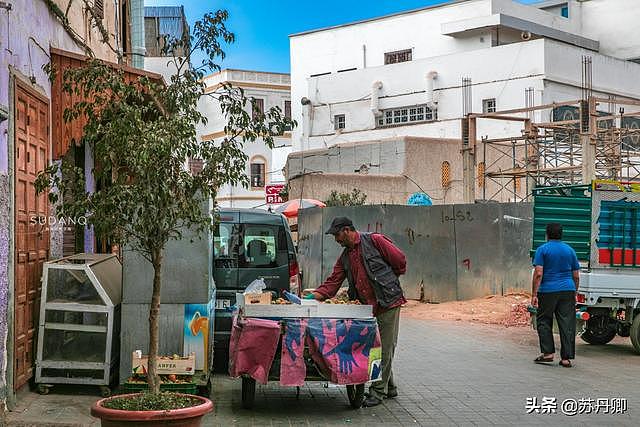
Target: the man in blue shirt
pixel 556 279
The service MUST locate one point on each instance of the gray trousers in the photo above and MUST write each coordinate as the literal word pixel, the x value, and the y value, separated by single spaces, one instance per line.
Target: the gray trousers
pixel 388 324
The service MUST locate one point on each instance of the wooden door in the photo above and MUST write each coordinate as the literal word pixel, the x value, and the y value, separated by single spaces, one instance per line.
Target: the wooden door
pixel 32 238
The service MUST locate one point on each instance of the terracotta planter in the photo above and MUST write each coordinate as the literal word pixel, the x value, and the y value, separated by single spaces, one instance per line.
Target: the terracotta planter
pixel 184 417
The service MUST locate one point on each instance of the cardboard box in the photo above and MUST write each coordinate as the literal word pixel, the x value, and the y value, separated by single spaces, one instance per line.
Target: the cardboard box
pixel 166 365
pixel 263 298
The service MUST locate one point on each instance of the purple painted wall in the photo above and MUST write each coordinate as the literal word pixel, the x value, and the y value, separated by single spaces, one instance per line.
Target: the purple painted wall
pixel 26 32
pixel 4 279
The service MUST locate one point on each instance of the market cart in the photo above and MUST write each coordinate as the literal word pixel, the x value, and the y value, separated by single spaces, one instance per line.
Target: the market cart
pixel 311 341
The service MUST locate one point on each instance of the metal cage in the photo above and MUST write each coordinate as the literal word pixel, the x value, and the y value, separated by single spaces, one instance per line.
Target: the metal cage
pixel 79 324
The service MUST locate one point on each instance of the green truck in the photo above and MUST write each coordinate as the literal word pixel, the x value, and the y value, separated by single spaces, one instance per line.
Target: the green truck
pixel 601 221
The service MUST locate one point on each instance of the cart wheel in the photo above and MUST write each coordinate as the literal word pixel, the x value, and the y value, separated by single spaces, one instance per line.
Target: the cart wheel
pixel 356 395
pixel 248 392
pixel 105 391
pixel 43 389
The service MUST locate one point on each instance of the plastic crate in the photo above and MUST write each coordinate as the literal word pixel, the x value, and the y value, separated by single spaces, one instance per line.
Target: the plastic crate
pixel 188 388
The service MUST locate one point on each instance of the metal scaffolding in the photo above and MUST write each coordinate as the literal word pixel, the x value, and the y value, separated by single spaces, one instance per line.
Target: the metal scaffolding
pixel 582 140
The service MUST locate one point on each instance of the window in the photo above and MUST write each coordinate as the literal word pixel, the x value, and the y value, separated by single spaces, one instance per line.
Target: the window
pixel 397 56
pixel 446 174
pixel 489 105
pixel 258 171
pixel 565 11
pixel 264 246
pixel 195 166
pixel 287 109
pixel 404 115
pixel 98 8
pixel 226 243
pixel 339 121
pixel 481 171
pixel 258 108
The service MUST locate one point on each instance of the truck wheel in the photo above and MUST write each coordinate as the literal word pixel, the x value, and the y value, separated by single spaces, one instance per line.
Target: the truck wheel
pixel 635 333
pixel 248 392
pixel 600 330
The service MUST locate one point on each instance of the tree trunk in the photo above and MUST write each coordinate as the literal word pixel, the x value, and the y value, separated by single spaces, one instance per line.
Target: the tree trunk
pixel 154 319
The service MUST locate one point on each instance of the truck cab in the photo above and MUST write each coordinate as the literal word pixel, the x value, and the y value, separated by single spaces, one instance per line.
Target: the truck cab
pixel 601 221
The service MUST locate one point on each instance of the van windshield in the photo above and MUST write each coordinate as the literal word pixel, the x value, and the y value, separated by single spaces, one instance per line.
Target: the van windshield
pixel 250 246
pixel 263 246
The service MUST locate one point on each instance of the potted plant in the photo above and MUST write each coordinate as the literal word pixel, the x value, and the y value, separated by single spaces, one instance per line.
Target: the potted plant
pixel 141 133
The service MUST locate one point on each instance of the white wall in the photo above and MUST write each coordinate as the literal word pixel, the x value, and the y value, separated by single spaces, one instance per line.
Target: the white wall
pixel 342 48
pixel 165 66
pixel 614 23
pixel 518 66
pixel 502 72
pixel 404 85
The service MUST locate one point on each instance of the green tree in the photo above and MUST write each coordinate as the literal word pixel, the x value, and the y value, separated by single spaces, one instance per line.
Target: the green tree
pixel 141 133
pixel 355 198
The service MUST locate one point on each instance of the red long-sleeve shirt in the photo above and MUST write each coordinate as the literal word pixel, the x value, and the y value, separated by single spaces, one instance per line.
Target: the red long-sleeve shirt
pixel 391 254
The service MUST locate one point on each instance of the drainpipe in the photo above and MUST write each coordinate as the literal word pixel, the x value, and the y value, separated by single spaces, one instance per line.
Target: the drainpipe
pixel 138 49
pixel 375 104
pixel 431 76
pixel 306 121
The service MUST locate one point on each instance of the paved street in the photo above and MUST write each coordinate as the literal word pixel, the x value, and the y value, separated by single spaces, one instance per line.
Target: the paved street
pixel 448 373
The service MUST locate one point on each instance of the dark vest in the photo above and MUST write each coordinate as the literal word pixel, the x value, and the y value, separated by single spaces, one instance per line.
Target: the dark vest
pixel 384 281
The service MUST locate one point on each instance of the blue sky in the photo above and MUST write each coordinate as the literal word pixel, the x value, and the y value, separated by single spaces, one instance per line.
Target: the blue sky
pixel 262 27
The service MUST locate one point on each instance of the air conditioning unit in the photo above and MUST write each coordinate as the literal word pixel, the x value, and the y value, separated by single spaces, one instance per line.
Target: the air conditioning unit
pixel 525 35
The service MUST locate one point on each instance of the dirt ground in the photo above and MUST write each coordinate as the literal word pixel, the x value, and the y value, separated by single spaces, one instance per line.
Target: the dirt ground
pixel 507 310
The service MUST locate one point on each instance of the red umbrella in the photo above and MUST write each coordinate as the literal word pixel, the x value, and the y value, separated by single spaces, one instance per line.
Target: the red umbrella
pixel 290 209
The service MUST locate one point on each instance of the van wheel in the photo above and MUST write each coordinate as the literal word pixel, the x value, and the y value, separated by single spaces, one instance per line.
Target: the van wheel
pixel 600 330
pixel 248 392
pixel 635 333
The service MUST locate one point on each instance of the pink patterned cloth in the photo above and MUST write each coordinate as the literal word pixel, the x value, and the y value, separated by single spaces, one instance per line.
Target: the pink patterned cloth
pixel 346 351
pixel 253 347
pixel 293 369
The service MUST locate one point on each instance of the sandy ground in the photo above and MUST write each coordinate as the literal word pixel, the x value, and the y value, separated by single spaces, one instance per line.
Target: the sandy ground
pixel 507 310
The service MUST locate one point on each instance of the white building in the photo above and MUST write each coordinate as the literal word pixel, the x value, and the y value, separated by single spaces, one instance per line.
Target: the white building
pixel 401 75
pixel 161 22
pixel 265 165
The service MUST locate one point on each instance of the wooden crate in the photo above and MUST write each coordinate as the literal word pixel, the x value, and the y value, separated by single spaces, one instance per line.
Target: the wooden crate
pixel 179 366
pixel 263 298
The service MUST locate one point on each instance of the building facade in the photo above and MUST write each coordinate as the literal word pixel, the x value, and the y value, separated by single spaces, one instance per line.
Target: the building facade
pixel 265 165
pixel 418 73
pixel 34 34
pixel 160 23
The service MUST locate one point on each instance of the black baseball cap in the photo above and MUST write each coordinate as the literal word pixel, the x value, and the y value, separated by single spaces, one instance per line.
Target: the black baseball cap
pixel 338 224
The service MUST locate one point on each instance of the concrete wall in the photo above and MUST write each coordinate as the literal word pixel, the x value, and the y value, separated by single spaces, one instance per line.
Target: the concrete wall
pixel 454 252
pixel 397 168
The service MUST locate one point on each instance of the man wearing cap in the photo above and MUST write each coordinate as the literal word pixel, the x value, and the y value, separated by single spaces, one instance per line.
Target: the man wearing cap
pixel 371 263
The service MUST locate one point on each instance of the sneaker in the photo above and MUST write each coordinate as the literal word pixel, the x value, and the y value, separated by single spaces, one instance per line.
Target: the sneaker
pixel 392 393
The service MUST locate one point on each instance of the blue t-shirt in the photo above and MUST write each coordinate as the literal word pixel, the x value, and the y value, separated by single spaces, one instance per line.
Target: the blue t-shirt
pixel 559 261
